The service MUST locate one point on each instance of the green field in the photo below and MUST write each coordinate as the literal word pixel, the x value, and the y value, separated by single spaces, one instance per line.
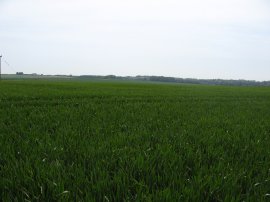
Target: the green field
pixel 110 141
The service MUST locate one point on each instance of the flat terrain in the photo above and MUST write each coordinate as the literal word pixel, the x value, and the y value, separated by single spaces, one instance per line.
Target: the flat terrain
pixel 109 141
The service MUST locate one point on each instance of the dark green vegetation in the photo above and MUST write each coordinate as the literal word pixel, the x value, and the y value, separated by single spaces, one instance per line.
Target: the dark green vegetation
pixel 133 142
pixel 160 79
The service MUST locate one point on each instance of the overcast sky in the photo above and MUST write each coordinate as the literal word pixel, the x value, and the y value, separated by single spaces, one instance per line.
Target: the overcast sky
pixel 227 39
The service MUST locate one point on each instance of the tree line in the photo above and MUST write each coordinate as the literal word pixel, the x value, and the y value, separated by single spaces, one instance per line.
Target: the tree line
pixel 231 82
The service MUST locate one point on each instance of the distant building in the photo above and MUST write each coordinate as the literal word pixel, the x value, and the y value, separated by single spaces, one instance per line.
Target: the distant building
pixel 19 73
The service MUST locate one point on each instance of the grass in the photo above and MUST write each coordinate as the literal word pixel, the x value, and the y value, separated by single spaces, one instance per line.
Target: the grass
pixel 102 141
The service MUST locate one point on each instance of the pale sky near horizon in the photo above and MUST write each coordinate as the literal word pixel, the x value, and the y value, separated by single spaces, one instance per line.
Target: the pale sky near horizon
pixel 228 39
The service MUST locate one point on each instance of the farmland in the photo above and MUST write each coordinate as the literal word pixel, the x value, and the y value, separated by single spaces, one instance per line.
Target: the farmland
pixel 124 141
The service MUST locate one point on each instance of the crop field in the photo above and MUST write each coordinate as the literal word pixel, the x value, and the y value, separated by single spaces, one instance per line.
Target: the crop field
pixel 124 141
